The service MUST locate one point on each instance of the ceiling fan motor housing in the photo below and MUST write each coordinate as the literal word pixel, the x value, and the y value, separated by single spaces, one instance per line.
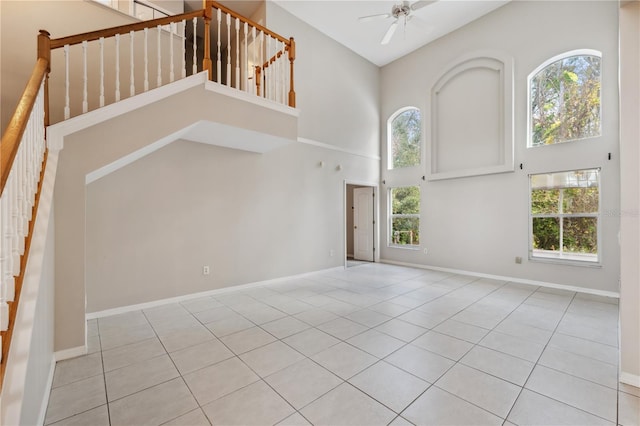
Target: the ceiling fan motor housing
pixel 401 10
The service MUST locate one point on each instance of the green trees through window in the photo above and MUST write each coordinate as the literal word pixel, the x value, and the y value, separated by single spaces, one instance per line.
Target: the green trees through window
pixel 564 215
pixel 405 140
pixel 565 100
pixel 405 216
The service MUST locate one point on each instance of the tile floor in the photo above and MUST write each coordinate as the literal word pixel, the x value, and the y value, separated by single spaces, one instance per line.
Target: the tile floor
pixel 373 344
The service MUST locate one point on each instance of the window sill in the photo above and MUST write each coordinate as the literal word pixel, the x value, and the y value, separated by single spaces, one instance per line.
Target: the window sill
pixel 572 259
pixel 403 247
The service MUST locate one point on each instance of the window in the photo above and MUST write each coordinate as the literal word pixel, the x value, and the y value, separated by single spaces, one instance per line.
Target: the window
pixel 565 100
pixel 565 208
pixel 404 138
pixel 404 220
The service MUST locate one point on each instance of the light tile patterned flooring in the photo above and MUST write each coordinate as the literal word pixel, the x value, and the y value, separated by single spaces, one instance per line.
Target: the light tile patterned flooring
pixel 373 344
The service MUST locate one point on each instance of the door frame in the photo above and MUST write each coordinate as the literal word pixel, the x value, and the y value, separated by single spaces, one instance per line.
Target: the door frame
pixel 376 217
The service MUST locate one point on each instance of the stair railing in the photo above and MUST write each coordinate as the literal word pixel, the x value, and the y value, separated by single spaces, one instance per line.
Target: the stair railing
pixel 22 160
pixel 250 58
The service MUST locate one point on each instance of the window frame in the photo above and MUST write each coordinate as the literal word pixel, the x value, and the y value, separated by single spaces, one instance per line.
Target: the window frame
pixel 566 259
pixel 391 216
pixel 393 116
pixel 545 64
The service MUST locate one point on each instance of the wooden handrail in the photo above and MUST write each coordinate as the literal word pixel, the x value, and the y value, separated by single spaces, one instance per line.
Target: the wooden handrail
pixel 123 29
pixel 13 134
pixel 265 30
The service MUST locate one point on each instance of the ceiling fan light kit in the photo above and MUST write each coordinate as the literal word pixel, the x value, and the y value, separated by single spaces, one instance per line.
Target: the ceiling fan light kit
pixel 398 11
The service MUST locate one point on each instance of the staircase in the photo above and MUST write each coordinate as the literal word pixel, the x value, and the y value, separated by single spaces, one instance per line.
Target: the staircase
pixel 103 75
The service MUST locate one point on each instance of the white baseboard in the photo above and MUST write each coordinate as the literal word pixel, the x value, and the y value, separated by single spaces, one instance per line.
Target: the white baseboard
pixel 47 392
pixel 630 379
pixel 595 292
pixel 70 353
pixel 218 291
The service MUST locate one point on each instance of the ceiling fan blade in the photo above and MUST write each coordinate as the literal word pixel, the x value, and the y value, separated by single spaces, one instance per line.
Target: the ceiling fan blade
pixel 421 3
pixel 392 29
pixel 374 17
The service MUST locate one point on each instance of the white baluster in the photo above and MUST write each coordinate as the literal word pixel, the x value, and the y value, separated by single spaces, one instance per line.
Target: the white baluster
pixel 261 63
pixel 101 42
pixel 146 59
pixel 237 80
pixel 85 103
pixel 246 57
pixel 132 82
pixel 228 50
pixel 159 80
pixel 195 47
pixel 67 109
pixel 4 308
pixel 117 67
pixel 4 316
pixel 219 63
pixel 255 60
pixel 283 74
pixel 274 72
pixel 184 48
pixel 172 75
pixel 15 240
pixel 269 70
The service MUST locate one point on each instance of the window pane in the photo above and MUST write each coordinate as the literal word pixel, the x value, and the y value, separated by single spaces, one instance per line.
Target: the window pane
pixel 546 233
pixel 405 231
pixel 580 200
pixel 565 101
pixel 544 201
pixel 580 235
pixel 405 200
pixel 405 139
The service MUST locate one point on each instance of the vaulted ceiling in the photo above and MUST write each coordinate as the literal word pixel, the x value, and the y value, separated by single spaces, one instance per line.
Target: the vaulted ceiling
pixel 339 20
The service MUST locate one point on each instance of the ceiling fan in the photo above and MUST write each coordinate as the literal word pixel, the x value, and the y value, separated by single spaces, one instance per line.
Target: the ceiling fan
pixel 401 11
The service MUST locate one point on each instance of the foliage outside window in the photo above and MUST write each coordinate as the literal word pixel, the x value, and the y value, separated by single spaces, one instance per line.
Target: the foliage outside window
pixel 565 208
pixel 405 136
pixel 405 216
pixel 565 100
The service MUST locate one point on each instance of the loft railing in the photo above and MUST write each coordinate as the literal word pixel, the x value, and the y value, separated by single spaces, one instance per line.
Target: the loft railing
pixel 249 58
pixel 120 62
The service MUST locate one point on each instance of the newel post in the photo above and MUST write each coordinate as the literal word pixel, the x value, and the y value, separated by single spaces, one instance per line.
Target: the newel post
pixel 292 57
pixel 44 52
pixel 208 14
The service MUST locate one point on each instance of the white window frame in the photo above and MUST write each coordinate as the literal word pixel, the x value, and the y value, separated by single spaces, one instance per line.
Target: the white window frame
pixel 390 136
pixel 391 216
pixel 578 259
pixel 577 52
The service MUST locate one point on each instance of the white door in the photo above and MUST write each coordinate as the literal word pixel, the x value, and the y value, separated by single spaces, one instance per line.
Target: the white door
pixel 363 224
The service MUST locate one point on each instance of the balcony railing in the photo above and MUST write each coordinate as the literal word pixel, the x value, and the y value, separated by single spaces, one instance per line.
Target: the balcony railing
pixel 97 68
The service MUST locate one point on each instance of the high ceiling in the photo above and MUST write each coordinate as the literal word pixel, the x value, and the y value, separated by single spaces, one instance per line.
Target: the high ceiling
pixel 339 20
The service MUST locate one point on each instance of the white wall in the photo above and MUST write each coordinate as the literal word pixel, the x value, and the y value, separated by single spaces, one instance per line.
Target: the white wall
pixel 480 224
pixel 630 193
pixel 154 224
pixel 337 90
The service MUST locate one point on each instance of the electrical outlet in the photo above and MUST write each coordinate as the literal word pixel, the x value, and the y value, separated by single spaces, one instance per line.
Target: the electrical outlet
pixel 205 270
pixel 331 253
pixel 426 251
pixel 518 260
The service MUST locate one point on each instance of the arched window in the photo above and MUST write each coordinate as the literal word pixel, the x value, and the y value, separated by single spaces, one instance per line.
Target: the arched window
pixel 564 96
pixel 404 136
